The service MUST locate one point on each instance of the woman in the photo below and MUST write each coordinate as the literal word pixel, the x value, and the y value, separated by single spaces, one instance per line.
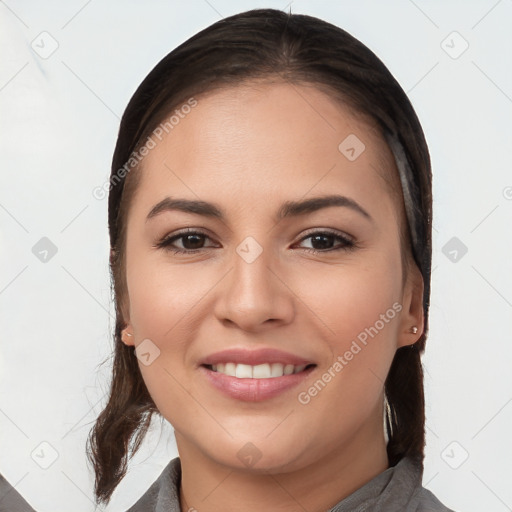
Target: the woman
pixel 270 227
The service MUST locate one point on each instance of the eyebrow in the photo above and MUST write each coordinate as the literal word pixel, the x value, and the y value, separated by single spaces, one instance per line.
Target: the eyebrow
pixel 288 209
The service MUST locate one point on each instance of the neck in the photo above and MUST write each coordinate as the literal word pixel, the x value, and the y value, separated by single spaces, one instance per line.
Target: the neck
pixel 207 486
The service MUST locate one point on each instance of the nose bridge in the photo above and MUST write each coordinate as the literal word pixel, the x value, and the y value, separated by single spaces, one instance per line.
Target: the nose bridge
pixel 253 293
pixel 251 280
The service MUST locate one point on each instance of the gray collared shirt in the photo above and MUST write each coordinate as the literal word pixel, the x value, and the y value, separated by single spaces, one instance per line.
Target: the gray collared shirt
pixel 397 489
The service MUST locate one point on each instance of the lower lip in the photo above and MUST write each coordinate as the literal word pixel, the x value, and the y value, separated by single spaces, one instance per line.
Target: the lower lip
pixel 254 390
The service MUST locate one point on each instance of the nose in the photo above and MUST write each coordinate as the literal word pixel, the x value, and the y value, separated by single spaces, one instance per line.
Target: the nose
pixel 254 295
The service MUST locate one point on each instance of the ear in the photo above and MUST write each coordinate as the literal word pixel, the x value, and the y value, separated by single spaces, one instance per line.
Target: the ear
pixel 412 308
pixel 127 335
pixel 127 332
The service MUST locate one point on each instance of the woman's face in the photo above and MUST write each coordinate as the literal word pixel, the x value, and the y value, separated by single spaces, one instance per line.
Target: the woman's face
pixel 248 281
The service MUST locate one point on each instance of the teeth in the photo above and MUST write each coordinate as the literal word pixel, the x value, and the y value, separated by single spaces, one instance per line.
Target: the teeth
pixel 288 369
pixel 230 369
pixel 260 371
pixel 243 371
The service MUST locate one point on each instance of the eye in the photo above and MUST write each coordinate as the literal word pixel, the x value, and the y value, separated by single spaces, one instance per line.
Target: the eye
pixel 323 242
pixel 192 242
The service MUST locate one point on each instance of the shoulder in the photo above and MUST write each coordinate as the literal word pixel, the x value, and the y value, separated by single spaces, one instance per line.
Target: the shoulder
pixel 10 499
pixel 406 491
pixel 163 495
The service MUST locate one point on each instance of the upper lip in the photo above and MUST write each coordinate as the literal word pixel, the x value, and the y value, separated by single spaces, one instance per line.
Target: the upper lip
pixel 254 357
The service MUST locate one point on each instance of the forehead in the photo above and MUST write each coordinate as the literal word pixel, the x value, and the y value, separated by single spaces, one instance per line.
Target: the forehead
pixel 259 140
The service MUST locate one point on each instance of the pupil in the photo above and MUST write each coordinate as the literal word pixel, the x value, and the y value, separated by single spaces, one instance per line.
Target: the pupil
pixel 197 239
pixel 325 245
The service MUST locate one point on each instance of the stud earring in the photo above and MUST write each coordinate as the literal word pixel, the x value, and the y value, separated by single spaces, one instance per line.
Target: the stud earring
pixel 125 334
pixel 414 329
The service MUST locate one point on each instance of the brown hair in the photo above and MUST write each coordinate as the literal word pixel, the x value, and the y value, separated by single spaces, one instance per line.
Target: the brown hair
pixel 265 44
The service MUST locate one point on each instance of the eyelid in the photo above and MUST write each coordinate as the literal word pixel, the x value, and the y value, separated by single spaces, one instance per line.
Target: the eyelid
pixel 329 231
pixel 306 234
pixel 181 233
pixel 348 242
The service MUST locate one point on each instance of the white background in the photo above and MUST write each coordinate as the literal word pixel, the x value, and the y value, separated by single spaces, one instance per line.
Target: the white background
pixel 60 117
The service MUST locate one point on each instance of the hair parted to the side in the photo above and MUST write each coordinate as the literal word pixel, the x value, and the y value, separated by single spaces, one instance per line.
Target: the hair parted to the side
pixel 261 44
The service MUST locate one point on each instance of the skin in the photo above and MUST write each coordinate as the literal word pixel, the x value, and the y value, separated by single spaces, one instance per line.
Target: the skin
pixel 248 149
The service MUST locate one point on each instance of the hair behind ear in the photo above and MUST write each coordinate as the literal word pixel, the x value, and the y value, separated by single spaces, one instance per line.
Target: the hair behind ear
pixel 127 414
pixel 405 394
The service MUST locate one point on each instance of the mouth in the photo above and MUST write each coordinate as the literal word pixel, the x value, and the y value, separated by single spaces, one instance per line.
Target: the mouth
pixel 255 383
pixel 255 375
pixel 259 371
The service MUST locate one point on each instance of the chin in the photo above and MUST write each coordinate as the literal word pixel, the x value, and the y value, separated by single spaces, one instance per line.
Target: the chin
pixel 257 454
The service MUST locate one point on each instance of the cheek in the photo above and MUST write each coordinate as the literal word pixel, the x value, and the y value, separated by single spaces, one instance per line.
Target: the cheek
pixel 358 309
pixel 162 307
pixel 348 300
pixel 161 295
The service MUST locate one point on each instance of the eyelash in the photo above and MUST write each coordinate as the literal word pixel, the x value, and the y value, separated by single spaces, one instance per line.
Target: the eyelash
pixel 165 243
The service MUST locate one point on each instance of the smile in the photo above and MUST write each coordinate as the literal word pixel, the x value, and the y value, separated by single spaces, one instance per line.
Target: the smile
pixel 256 383
pixel 260 371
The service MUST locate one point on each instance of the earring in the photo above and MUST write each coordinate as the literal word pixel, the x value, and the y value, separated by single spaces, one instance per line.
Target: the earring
pixel 123 333
pixel 414 329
